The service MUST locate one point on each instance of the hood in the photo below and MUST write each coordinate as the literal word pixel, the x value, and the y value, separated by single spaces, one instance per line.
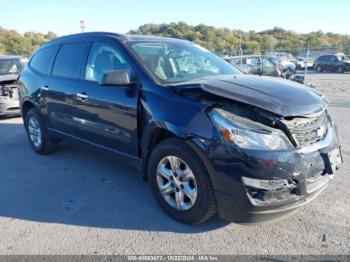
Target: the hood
pixel 4 78
pixel 279 96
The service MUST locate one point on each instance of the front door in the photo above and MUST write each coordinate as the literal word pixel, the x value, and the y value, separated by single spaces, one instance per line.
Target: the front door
pixel 107 115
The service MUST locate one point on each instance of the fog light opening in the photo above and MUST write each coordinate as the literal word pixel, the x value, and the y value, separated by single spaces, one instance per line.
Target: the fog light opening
pixel 267 192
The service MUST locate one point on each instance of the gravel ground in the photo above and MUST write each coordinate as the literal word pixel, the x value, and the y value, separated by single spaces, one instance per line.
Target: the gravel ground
pixel 79 201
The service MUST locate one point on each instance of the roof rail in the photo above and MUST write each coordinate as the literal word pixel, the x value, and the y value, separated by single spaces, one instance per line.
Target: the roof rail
pixel 84 34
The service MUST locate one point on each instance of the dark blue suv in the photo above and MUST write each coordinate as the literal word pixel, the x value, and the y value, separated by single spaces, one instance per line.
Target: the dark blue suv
pixel 208 139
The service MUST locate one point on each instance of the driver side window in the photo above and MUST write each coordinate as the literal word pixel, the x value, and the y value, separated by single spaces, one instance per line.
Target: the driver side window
pixel 103 58
pixel 333 59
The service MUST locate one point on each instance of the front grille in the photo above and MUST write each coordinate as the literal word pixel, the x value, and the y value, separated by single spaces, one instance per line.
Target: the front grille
pixel 308 130
pixel 9 90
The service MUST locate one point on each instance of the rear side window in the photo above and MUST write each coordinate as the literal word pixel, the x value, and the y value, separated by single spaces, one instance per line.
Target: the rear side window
pixel 69 60
pixel 327 58
pixel 42 60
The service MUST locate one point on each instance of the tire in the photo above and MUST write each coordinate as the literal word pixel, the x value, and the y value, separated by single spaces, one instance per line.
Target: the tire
pixel 340 70
pixel 319 69
pixel 198 181
pixel 39 138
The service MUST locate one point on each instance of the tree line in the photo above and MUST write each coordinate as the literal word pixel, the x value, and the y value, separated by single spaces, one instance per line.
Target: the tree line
pixel 223 41
pixel 14 43
pixel 227 41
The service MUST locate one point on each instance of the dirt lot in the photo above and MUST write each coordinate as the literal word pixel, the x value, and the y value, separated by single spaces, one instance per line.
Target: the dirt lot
pixel 79 201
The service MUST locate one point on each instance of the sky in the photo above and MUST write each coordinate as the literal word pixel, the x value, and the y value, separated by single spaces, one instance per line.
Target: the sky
pixel 63 16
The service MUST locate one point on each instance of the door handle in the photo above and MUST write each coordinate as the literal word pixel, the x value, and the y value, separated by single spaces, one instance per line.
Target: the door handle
pixel 82 96
pixel 44 88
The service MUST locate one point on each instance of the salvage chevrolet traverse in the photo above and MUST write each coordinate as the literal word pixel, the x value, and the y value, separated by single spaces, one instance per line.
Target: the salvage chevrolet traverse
pixel 209 139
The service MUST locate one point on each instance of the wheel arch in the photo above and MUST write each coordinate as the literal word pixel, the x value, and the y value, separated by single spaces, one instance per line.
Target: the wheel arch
pixel 26 106
pixel 156 133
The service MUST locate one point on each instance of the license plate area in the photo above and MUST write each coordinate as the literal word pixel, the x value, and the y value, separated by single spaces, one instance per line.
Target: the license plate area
pixel 333 160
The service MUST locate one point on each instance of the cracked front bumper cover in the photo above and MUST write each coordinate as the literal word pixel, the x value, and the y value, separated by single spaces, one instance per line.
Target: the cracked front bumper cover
pixel 9 106
pixel 305 170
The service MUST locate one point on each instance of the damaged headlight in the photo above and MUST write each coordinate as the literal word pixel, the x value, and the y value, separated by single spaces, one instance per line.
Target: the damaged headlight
pixel 265 184
pixel 245 133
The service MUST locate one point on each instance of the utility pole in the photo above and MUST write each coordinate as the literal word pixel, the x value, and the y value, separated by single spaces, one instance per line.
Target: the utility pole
pixel 240 50
pixel 82 25
pixel 307 59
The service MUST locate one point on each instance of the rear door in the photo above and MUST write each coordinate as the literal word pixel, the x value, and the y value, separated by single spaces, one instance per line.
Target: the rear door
pixel 327 62
pixel 333 63
pixel 60 90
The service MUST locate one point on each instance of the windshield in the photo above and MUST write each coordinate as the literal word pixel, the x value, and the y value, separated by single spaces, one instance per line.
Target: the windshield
pixel 10 66
pixel 344 58
pixel 180 61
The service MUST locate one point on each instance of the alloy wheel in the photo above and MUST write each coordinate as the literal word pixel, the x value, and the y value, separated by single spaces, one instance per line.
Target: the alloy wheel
pixel 34 132
pixel 176 183
pixel 339 69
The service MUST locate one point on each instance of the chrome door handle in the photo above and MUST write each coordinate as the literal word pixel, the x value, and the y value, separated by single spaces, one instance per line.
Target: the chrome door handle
pixel 44 88
pixel 82 96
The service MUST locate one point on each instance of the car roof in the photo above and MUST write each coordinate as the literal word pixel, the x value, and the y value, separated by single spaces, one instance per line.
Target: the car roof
pixel 152 38
pixel 120 37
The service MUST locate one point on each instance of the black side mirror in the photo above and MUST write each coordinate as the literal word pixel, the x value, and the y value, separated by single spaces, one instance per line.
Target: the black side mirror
pixel 116 78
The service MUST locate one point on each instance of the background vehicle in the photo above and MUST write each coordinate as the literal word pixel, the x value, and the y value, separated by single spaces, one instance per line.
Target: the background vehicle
pixel 286 66
pixel 10 67
pixel 254 65
pixel 208 138
pixel 261 65
pixel 334 63
pixel 285 62
pixel 302 62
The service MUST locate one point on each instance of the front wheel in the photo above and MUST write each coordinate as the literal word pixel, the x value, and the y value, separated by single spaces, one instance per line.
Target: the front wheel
pixel 38 136
pixel 340 69
pixel 181 183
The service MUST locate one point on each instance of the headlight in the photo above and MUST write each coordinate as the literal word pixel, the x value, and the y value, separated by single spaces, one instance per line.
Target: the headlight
pixel 245 133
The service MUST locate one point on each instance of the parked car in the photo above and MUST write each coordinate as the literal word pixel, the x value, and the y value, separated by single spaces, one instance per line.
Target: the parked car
pixel 333 63
pixel 10 67
pixel 286 66
pixel 282 55
pixel 208 138
pixel 254 65
pixel 261 65
pixel 284 61
pixel 303 62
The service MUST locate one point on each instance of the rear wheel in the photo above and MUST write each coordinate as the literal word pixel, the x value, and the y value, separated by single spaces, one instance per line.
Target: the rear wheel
pixel 181 183
pixel 39 138
pixel 319 69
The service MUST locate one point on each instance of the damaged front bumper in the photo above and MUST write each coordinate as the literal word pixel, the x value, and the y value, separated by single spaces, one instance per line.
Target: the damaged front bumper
pixel 254 186
pixel 9 103
pixel 9 106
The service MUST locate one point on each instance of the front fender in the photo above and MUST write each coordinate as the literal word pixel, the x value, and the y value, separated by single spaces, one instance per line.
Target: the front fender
pixel 173 114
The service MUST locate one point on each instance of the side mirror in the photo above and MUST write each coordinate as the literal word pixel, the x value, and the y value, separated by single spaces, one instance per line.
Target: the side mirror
pixel 116 78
